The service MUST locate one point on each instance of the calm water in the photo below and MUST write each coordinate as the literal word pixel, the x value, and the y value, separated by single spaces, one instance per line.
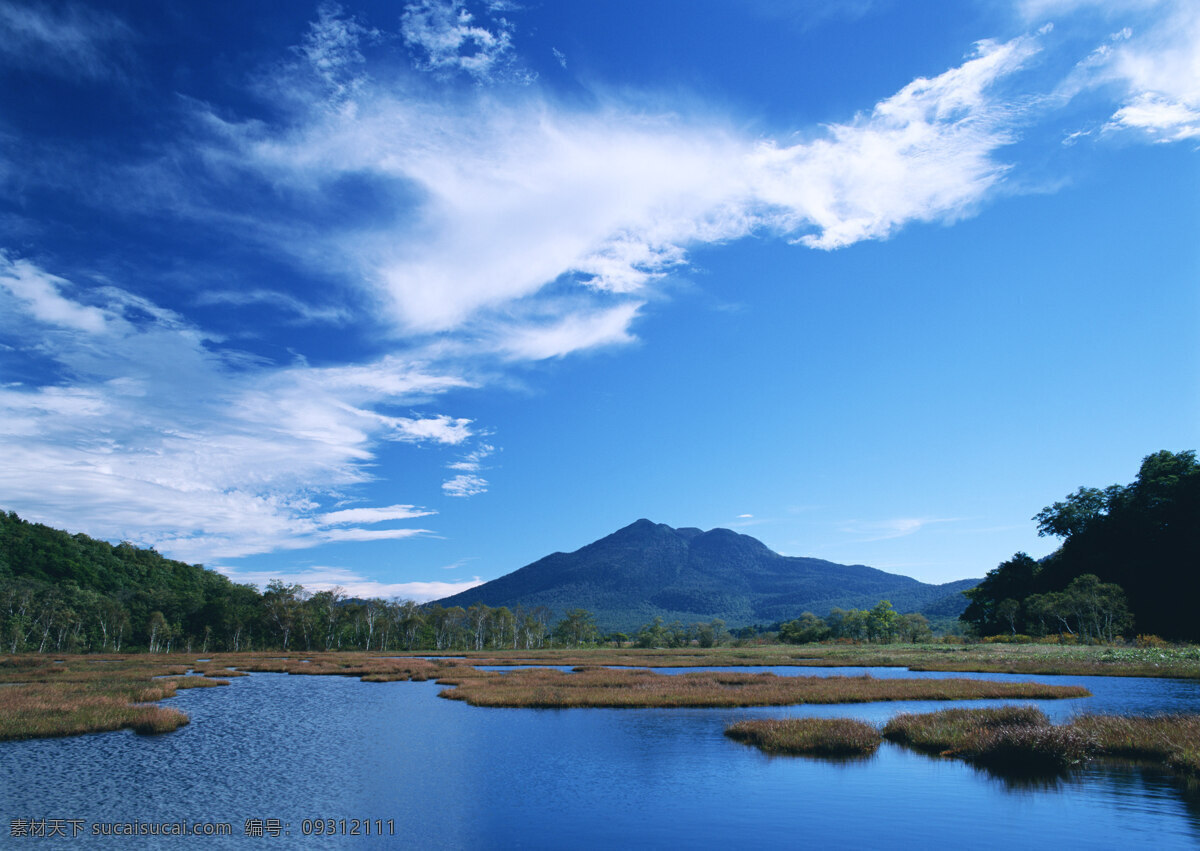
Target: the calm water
pixel 448 775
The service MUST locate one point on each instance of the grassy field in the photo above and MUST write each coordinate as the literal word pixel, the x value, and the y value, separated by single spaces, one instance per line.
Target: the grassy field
pixel 48 696
pixel 40 697
pixel 1083 660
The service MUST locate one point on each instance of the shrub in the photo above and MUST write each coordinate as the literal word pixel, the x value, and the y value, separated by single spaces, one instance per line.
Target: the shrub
pixel 1018 638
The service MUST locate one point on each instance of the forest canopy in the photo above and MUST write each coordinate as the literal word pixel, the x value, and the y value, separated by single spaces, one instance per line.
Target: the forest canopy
pixel 1129 560
pixel 70 593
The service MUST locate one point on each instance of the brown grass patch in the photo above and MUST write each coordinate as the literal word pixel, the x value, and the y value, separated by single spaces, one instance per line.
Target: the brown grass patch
pixel 834 737
pixel 626 688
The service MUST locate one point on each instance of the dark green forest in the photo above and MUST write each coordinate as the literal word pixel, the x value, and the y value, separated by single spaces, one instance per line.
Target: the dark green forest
pixel 1129 563
pixel 67 593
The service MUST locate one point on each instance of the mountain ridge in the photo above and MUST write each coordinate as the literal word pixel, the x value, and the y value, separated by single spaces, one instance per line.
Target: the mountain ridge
pixel 647 570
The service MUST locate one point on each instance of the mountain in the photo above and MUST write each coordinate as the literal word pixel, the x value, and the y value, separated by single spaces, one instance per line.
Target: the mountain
pixel 649 570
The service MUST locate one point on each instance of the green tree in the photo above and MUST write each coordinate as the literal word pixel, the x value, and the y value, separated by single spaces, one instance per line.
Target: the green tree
pixel 882 622
pixel 576 629
pixel 914 628
pixel 806 629
pixel 282 604
pixel 1078 512
pixel 1144 537
pixel 652 634
pixel 1008 610
pixel 1012 580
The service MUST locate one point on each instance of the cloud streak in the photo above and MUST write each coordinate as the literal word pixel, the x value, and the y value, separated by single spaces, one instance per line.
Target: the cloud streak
pixel 70 40
pixel 164 438
pixel 886 530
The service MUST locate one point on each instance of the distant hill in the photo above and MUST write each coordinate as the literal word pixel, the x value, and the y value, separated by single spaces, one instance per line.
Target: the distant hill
pixel 649 569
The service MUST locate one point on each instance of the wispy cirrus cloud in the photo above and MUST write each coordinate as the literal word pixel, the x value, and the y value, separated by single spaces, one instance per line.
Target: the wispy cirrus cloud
pixel 40 295
pixel 288 305
pixel 66 40
pixel 897 527
pixel 163 437
pixel 375 515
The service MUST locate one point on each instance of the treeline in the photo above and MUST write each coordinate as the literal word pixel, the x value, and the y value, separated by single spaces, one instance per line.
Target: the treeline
pixel 66 593
pixel 676 634
pixel 881 624
pixel 1129 562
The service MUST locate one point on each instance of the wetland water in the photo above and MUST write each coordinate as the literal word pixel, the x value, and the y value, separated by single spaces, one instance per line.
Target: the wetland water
pixel 449 775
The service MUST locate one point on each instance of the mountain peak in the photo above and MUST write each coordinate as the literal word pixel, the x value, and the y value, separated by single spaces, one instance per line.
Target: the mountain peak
pixel 647 570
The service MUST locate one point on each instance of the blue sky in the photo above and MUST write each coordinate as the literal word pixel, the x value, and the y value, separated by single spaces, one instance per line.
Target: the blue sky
pixel 403 297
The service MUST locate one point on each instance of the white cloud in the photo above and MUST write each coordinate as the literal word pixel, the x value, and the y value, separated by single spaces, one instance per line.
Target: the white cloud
pixel 1165 119
pixel 571 333
pixel 375 515
pixel 923 154
pixel 164 437
pixel 331 49
pixel 498 202
pixel 40 295
pixel 447 38
pixel 371 534
pixel 471 462
pixel 465 484
pixel 355 585
pixel 1161 66
pixel 1153 59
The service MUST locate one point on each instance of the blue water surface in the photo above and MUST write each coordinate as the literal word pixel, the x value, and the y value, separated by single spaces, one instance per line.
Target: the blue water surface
pixel 447 775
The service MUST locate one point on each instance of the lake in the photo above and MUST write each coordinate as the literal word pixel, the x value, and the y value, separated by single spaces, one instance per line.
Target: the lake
pixel 442 774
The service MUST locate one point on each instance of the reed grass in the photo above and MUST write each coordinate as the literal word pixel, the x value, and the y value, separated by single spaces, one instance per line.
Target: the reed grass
pixel 636 688
pixel 831 737
pixel 43 699
pixel 1023 738
pixel 949 730
pixel 1173 739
